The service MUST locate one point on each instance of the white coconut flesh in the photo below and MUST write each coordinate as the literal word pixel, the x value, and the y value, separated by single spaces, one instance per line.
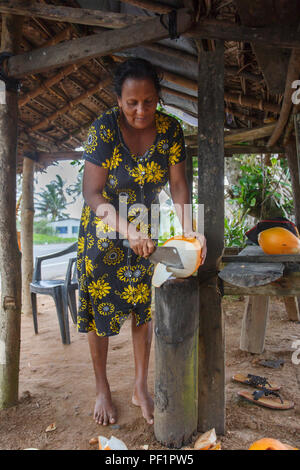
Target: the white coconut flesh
pixel 189 255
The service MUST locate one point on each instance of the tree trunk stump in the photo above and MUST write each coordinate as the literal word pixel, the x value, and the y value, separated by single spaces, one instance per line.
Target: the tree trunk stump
pixel 176 362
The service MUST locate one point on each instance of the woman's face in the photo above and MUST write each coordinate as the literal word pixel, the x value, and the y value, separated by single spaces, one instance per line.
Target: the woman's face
pixel 138 102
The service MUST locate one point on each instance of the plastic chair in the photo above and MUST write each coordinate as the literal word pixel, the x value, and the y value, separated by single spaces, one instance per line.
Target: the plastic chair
pixel 56 288
pixel 70 286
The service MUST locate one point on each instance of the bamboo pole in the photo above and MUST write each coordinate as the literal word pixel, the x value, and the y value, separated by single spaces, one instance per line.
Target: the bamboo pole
pixel 27 215
pixel 10 259
pixel 240 99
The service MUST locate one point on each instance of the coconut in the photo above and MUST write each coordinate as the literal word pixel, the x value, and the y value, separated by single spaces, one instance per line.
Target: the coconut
pixel 189 250
pixel 279 241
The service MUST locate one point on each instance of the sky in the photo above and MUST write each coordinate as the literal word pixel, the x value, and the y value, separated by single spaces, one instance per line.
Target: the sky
pixel 68 173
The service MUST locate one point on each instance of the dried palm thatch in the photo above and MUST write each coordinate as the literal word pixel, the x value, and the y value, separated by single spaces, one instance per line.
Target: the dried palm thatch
pixel 57 106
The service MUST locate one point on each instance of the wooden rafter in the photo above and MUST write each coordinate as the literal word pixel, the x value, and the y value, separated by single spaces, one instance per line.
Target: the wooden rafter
pixel 96 45
pixel 279 36
pixel 48 84
pixel 228 96
pixel 293 73
pixel 71 104
pixel 245 135
pixel 70 15
pixel 154 6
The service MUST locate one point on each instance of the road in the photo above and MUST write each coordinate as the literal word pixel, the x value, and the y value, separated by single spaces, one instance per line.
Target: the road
pixel 54 268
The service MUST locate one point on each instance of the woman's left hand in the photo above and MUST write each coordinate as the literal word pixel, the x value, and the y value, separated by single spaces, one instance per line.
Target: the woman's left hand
pixel 202 241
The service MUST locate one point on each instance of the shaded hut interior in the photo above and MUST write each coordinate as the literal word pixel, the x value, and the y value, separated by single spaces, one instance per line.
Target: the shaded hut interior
pixel 66 83
pixel 56 107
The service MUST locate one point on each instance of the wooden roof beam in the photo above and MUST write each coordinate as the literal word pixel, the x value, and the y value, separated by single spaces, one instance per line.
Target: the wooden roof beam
pixel 96 45
pixel 70 15
pixel 186 57
pixel 279 36
pixel 154 6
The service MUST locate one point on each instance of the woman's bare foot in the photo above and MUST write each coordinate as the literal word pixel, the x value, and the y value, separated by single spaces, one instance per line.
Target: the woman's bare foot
pixel 142 398
pixel 104 412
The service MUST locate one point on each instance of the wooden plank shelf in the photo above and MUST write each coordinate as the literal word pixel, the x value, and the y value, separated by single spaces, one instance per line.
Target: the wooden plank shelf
pixel 249 274
pixel 261 259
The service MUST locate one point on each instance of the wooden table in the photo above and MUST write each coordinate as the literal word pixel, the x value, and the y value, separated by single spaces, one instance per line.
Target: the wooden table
pixel 259 280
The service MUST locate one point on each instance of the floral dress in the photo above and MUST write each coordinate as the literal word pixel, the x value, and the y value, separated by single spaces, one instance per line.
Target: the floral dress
pixel 113 280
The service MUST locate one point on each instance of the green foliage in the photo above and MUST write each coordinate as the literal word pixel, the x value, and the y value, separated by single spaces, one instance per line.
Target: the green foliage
pixel 235 229
pixel 263 191
pixel 42 239
pixel 42 227
pixel 51 202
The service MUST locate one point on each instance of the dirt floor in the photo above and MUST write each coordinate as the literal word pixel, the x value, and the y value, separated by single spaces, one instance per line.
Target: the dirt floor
pixel 57 386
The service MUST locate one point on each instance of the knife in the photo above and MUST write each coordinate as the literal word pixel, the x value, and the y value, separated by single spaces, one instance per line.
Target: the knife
pixel 167 255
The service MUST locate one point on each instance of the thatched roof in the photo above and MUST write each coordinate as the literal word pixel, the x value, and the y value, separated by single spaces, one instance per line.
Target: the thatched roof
pixel 57 106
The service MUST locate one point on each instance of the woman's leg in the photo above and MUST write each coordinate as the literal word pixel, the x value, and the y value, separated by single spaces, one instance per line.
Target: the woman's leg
pixel 104 412
pixel 142 337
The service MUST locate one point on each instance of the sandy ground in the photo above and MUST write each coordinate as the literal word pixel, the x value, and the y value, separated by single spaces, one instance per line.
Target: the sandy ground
pixel 57 386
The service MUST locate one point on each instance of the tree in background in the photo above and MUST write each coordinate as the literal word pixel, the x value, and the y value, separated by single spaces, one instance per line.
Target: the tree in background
pixel 51 202
pixel 74 190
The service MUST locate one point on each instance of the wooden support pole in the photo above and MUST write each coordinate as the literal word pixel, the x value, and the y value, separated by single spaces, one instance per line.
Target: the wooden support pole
pixel 27 216
pixel 189 171
pixel 254 324
pixel 291 156
pixel 176 357
pixel 292 308
pixel 293 73
pixel 211 407
pixel 10 258
pixel 297 133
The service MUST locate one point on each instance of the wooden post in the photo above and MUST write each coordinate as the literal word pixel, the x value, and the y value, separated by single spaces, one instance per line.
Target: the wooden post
pixel 291 155
pixel 27 215
pixel 254 324
pixel 297 134
pixel 292 308
pixel 211 408
pixel 176 356
pixel 10 259
pixel 189 172
pixel 292 150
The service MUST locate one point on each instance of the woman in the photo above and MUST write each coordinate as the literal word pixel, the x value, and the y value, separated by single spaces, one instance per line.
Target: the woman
pixel 131 152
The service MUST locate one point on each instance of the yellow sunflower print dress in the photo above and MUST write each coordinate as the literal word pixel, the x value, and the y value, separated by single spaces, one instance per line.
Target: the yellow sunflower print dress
pixel 113 281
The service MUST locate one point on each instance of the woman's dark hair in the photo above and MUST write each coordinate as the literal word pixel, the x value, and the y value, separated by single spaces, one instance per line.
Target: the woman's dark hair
pixel 136 68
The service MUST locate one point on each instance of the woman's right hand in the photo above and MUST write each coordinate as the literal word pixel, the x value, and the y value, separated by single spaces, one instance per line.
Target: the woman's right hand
pixel 140 245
